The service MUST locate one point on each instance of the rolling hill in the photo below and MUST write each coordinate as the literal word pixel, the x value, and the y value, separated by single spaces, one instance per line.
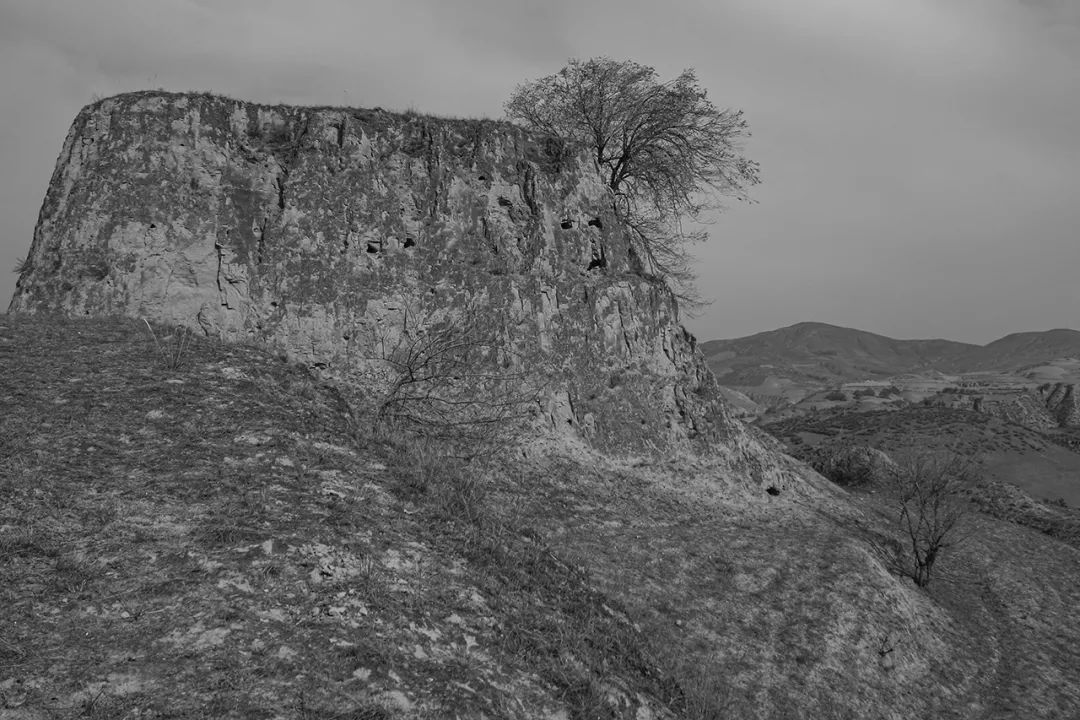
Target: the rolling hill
pixel 1020 350
pixel 827 353
pixel 817 355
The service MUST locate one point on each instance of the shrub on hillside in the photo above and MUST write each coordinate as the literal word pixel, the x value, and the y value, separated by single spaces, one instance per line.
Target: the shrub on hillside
pixel 930 492
pixel 442 380
pixel 850 465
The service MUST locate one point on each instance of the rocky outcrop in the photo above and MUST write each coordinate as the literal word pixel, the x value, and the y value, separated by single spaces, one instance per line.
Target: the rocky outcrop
pixel 322 231
pixel 1049 406
pixel 1063 403
pixel 1021 407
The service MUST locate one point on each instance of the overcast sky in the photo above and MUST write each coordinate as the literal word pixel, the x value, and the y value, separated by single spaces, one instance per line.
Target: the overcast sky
pixel 920 158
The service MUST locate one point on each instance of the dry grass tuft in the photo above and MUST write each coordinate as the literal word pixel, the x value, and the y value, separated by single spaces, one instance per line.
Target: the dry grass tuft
pixel 171 347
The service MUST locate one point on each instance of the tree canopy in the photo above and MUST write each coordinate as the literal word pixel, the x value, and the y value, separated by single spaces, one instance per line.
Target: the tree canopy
pixel 666 151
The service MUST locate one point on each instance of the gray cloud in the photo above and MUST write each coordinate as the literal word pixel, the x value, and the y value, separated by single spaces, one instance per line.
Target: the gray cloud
pixel 920 156
pixel 1056 12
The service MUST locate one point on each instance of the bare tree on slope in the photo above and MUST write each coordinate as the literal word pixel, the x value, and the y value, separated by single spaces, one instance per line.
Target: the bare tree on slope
pixel 928 490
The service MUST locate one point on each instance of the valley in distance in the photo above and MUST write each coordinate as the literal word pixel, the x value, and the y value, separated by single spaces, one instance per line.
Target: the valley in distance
pixel 1011 403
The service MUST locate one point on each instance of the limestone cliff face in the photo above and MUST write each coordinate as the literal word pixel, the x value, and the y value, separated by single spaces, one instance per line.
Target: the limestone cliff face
pixel 316 229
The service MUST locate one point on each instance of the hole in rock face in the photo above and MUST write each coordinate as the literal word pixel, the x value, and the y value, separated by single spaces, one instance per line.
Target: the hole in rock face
pixel 773 490
pixel 374 248
pixel 596 223
pixel 599 257
pixel 567 224
pixel 505 202
pixel 153 226
pixel 409 242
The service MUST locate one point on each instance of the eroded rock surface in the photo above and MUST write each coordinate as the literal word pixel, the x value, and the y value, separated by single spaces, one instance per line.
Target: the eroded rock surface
pixel 322 231
pixel 1063 403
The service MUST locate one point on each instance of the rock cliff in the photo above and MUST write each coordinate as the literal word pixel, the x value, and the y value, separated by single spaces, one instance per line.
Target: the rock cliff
pixel 320 230
pixel 1063 403
pixel 1051 405
pixel 1023 408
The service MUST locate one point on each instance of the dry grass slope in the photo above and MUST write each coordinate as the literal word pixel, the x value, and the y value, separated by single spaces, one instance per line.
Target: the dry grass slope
pixel 220 540
pixel 1041 463
pixel 216 541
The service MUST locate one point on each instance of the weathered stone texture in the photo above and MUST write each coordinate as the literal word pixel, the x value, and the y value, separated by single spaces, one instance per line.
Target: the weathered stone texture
pixel 1063 403
pixel 315 230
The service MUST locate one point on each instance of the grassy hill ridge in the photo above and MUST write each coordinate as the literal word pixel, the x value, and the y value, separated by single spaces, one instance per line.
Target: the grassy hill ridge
pixel 833 354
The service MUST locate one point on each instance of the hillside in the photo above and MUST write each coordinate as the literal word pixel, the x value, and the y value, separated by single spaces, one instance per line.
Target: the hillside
pixel 218 541
pixel 1042 465
pixel 340 413
pixel 1020 350
pixel 821 355
pixel 824 353
pixel 230 539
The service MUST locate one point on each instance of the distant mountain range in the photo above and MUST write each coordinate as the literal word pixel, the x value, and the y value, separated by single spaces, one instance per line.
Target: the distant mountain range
pixel 820 354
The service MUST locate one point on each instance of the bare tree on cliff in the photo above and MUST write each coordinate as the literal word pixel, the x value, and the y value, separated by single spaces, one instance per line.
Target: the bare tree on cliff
pixel 667 153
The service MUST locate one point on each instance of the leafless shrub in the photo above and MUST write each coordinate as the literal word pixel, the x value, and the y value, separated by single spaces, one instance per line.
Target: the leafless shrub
pixel 449 382
pixel 928 490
